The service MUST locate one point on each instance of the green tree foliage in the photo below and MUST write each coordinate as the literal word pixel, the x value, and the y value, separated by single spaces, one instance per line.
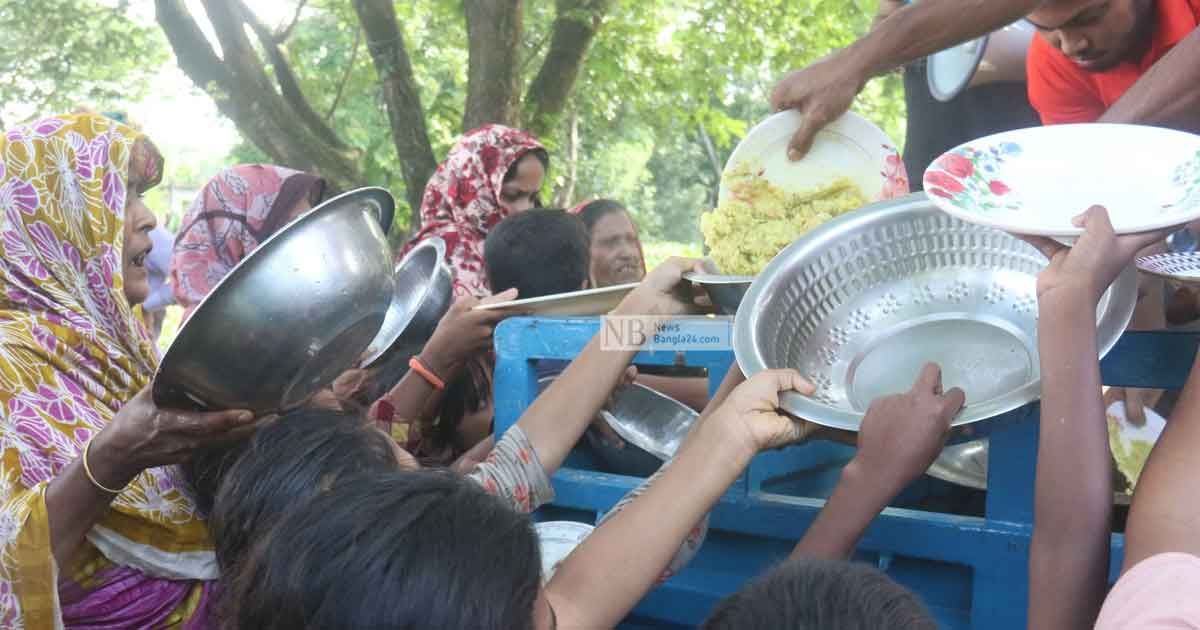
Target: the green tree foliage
pixel 62 54
pixel 667 89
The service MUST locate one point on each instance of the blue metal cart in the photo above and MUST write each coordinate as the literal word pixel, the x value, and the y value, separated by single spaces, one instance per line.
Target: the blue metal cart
pixel 971 571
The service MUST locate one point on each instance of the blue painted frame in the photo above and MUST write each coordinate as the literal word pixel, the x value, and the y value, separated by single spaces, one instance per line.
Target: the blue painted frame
pixel 971 572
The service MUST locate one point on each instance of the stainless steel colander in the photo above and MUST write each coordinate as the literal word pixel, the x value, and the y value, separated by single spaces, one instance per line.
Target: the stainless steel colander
pixel 861 303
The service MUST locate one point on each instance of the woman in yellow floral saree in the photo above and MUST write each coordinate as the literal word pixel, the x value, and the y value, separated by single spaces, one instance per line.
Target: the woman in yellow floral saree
pixel 94 530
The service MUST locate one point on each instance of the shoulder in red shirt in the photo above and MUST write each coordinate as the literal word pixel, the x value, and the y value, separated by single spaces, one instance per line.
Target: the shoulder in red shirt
pixel 1062 92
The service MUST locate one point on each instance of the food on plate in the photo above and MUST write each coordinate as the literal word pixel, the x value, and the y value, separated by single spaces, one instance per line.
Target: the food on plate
pixel 1130 455
pixel 758 219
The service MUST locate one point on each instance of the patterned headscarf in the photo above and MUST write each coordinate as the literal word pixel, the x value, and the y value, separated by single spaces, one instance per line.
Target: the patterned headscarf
pixel 462 199
pixel 72 353
pixel 235 211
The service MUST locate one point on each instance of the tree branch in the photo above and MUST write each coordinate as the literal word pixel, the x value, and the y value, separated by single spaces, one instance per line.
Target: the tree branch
pixel 337 97
pixel 282 35
pixel 574 29
pixel 406 116
pixel 289 85
pixel 711 151
pixel 494 32
pixel 242 91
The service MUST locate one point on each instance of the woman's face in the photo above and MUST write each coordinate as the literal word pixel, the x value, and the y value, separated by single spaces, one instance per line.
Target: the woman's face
pixel 616 252
pixel 522 185
pixel 134 249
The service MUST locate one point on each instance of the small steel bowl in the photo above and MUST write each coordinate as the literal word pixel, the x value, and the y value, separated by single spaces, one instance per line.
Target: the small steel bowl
pixel 649 420
pixel 861 303
pixel 424 290
pixel 651 424
pixel 726 292
pixel 290 317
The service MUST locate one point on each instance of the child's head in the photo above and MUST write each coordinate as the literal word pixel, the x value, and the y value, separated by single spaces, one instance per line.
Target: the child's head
pixel 819 594
pixel 425 549
pixel 539 252
pixel 300 455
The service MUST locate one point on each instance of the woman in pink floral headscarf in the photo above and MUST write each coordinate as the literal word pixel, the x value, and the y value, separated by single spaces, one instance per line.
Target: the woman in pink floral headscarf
pixel 492 172
pixel 238 209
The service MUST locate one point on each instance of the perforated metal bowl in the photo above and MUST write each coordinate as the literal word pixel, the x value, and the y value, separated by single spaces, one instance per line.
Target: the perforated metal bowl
pixel 861 303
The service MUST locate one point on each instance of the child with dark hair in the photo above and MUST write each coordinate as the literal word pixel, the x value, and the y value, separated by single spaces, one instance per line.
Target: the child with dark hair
pixel 538 252
pixel 406 550
pixel 420 551
pixel 817 594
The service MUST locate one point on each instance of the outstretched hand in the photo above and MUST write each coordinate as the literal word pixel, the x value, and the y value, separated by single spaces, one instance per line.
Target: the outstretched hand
pixel 1096 259
pixel 902 434
pixel 821 93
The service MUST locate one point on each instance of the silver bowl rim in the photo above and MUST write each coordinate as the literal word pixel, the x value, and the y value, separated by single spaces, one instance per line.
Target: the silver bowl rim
pixel 1122 293
pixel 380 195
pixel 716 278
pixel 626 434
pixel 385 345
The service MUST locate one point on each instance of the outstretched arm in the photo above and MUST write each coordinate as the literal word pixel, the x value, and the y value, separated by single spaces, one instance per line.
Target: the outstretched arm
pixel 900 437
pixel 824 91
pixel 1068 564
pixel 1168 94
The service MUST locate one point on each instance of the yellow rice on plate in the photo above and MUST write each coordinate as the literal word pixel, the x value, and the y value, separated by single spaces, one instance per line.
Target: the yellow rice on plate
pixel 758 220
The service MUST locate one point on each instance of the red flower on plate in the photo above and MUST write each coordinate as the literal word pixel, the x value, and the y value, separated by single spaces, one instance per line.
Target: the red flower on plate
pixel 956 165
pixel 939 192
pixel 941 180
pixel 998 187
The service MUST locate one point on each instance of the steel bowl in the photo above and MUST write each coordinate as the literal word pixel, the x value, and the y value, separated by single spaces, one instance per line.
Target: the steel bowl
pixel 726 292
pixel 424 290
pixel 649 420
pixel 967 465
pixel 651 424
pixel 861 303
pixel 290 317
pixel 963 464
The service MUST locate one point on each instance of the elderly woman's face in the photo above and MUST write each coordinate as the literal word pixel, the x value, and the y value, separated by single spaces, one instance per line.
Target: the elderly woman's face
pixel 134 249
pixel 521 187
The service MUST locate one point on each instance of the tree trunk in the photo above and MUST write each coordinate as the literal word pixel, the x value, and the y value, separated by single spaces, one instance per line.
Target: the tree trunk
pixel 405 114
pixel 494 29
pixel 575 27
pixel 239 85
pixel 567 193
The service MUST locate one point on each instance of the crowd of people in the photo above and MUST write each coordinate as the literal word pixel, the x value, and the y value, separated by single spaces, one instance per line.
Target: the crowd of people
pixel 387 500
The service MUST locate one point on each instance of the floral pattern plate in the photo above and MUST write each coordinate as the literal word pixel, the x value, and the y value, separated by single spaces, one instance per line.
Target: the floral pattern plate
pixel 1033 181
pixel 850 147
pixel 1183 267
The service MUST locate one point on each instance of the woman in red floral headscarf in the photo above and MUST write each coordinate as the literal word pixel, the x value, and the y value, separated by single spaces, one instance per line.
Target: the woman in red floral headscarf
pixel 492 172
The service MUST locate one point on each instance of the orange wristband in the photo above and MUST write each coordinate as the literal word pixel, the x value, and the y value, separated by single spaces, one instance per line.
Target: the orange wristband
pixel 426 373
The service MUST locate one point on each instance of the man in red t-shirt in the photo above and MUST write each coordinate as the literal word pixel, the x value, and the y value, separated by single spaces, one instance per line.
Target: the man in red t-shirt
pixel 1092 51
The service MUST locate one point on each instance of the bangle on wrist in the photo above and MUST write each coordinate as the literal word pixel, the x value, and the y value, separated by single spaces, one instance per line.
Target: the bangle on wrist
pixel 87 470
pixel 433 379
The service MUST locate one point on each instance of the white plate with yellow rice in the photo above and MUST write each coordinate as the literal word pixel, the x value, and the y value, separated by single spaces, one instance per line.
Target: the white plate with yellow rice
pixel 851 147
pixel 767 201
